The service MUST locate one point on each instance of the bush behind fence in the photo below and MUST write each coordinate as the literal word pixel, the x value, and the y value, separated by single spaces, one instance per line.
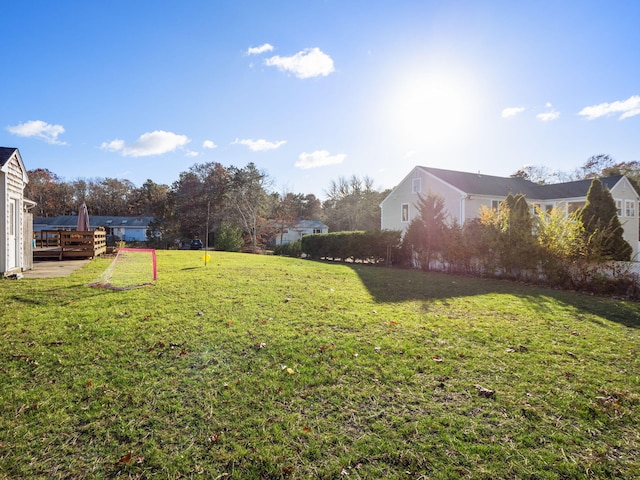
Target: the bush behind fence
pixel 385 247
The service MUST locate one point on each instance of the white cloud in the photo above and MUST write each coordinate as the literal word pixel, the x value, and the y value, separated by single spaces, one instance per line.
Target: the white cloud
pixel 191 153
pixel 261 49
pixel 310 62
pixel 626 108
pixel 39 129
pixel 319 158
pixel 157 142
pixel 260 145
pixel 550 115
pixel 512 111
pixel 209 144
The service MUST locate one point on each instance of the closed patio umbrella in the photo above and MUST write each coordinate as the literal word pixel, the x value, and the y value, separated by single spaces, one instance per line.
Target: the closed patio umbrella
pixel 83 218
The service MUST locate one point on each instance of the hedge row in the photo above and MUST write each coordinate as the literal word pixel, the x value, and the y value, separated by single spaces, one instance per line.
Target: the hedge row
pixel 369 246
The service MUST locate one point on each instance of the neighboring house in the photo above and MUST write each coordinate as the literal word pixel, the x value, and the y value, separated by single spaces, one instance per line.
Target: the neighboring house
pixel 128 229
pixel 300 229
pixel 16 252
pixel 464 193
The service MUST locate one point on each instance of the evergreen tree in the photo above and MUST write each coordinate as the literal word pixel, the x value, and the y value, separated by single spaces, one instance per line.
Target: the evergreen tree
pixel 426 233
pixel 602 228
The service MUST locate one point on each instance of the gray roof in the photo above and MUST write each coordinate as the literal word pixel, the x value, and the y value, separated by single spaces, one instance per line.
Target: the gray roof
pixel 315 224
pixel 70 221
pixel 5 154
pixel 480 184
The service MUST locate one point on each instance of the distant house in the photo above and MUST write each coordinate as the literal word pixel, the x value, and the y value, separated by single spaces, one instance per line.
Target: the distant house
pixel 296 232
pixel 464 193
pixel 128 229
pixel 15 222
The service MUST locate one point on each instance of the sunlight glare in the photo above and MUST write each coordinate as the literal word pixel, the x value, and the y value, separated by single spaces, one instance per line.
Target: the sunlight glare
pixel 431 110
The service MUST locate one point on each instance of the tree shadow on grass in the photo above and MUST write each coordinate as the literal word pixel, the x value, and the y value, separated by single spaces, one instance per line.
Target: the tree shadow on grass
pixel 59 296
pixel 398 285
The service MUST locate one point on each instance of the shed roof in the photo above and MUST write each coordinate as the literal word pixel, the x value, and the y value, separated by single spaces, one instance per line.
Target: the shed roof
pixel 5 154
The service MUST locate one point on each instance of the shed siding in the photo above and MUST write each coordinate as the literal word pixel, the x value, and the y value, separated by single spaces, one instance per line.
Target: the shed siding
pixel 13 183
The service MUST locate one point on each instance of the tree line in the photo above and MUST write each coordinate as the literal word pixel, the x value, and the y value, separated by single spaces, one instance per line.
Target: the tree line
pixel 210 200
pixel 213 201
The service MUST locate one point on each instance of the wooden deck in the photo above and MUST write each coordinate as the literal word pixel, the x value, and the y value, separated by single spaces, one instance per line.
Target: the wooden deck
pixel 62 245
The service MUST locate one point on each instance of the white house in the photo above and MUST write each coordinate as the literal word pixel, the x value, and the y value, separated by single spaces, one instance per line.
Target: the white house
pixel 16 254
pixel 300 229
pixel 464 193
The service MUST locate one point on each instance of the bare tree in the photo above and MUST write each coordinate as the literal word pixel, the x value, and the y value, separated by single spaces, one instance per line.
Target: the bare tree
pixel 249 201
pixel 353 204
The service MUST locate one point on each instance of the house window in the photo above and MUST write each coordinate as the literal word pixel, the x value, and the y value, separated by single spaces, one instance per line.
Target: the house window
pixel 417 185
pixel 405 212
pixel 495 204
pixel 630 208
pixel 317 230
pixel 574 206
pixel 619 207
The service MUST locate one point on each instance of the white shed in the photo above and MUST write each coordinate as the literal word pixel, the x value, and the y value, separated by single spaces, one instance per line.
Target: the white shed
pixel 16 221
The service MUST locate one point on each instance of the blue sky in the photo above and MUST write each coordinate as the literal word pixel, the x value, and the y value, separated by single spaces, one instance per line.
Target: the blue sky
pixel 314 90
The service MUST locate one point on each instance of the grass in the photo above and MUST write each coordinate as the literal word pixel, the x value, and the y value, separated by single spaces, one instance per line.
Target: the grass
pixel 271 367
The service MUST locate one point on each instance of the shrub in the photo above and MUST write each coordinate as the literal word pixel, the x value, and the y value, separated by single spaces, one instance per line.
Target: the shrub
pixel 229 238
pixel 293 249
pixel 371 246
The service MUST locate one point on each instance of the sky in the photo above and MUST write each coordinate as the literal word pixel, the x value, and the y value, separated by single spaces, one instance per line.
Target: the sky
pixel 312 91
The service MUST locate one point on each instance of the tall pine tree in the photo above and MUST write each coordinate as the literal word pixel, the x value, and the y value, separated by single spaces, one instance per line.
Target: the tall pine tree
pixel 603 230
pixel 426 233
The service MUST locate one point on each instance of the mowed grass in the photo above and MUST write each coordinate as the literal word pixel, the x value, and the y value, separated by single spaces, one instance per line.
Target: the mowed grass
pixel 270 367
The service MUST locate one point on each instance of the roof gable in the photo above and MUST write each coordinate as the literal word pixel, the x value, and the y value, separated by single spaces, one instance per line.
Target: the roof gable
pixel 9 153
pixel 5 154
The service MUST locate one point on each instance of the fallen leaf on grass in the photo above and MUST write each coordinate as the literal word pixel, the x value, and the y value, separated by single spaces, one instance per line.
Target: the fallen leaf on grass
pixel 438 359
pixel 213 439
pixel 129 457
pixel 125 458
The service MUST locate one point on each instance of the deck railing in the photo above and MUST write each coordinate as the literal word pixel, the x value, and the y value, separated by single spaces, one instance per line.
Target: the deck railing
pixel 69 244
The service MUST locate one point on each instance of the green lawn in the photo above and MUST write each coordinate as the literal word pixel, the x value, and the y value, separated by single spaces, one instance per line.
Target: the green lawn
pixel 270 367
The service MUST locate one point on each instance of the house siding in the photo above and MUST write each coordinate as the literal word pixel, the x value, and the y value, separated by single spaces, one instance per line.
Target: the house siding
pixel 462 206
pixel 624 191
